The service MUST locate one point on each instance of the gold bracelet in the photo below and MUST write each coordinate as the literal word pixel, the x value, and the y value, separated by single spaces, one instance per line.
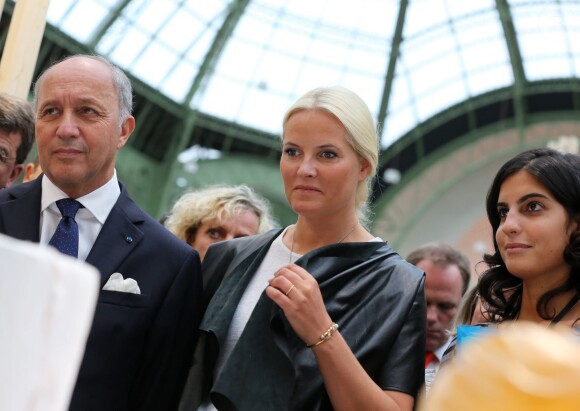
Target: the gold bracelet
pixel 325 336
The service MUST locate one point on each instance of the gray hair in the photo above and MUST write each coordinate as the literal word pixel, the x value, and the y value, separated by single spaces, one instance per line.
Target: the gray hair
pixel 120 80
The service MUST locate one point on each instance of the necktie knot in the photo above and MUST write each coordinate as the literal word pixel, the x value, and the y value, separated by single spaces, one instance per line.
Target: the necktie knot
pixel 68 207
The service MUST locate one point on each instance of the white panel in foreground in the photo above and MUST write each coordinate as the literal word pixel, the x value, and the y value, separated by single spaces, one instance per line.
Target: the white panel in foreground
pixel 47 303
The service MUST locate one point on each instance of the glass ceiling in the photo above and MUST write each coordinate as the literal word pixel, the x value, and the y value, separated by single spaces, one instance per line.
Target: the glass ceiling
pixel 450 50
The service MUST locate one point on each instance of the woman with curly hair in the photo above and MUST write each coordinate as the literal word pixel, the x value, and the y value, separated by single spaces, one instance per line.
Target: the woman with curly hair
pixel 533 206
pixel 218 213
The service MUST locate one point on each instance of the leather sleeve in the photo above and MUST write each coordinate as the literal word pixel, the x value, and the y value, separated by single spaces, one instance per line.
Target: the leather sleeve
pixel 405 369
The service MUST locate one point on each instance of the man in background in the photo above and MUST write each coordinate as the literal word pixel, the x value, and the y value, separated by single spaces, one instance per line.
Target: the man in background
pixel 142 338
pixel 447 276
pixel 16 137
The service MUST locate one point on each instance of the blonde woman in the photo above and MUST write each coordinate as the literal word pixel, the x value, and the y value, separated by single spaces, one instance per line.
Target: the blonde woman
pixel 270 337
pixel 218 213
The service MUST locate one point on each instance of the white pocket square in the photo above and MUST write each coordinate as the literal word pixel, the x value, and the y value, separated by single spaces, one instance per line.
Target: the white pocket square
pixel 117 283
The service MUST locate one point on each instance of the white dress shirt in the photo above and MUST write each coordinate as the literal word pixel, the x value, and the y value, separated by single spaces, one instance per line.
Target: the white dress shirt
pixel 90 219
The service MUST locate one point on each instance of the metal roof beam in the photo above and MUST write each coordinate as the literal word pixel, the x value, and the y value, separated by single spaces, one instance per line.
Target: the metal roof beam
pixel 392 64
pixel 235 10
pixel 113 15
pixel 520 80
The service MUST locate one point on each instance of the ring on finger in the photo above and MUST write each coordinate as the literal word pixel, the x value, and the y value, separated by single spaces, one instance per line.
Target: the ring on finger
pixel 291 288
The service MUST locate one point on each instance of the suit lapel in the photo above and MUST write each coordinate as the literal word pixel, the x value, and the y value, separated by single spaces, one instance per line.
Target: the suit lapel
pixel 20 218
pixel 118 237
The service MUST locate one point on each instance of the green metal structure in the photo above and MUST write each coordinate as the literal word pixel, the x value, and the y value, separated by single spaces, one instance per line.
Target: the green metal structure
pixel 150 167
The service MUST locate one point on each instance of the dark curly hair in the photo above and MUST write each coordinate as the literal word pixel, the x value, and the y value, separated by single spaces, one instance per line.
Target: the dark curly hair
pixel 560 174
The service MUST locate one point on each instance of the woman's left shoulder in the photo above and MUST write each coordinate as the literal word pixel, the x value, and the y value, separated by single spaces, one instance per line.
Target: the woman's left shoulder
pixel 392 260
pixel 394 273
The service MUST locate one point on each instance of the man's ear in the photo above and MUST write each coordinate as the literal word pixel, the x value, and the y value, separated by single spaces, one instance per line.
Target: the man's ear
pixel 14 175
pixel 127 129
pixel 29 171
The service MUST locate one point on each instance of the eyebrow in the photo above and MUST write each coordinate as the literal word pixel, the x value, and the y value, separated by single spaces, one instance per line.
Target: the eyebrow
pixel 79 100
pixel 525 198
pixel 323 146
pixel 216 227
pixel 88 100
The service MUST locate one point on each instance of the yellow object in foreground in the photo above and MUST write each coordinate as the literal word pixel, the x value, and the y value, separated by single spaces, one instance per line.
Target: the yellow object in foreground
pixel 524 367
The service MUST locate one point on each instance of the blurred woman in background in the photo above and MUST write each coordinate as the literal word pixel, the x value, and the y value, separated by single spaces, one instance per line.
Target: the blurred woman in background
pixel 218 213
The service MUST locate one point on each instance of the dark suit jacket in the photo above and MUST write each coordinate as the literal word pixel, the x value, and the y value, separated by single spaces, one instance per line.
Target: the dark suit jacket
pixel 140 345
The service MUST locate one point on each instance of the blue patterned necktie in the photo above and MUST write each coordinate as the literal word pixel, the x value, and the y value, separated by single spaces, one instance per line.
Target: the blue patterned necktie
pixel 66 236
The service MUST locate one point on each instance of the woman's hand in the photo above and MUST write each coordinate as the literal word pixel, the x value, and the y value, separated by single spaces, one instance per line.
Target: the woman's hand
pixel 297 293
pixel 348 385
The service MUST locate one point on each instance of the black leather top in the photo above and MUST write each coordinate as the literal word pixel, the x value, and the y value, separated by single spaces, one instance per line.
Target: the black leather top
pixel 376 297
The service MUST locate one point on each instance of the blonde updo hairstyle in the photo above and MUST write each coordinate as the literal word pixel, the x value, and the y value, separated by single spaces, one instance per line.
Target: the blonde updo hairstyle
pixel 219 202
pixel 353 113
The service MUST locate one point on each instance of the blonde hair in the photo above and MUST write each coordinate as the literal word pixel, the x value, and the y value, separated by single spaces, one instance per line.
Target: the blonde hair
pixel 353 113
pixel 219 202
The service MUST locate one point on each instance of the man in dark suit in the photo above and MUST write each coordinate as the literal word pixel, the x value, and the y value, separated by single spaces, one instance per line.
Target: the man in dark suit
pixel 142 338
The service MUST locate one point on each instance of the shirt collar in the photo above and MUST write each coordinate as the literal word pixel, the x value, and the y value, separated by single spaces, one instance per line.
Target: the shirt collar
pixel 99 202
pixel 441 350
